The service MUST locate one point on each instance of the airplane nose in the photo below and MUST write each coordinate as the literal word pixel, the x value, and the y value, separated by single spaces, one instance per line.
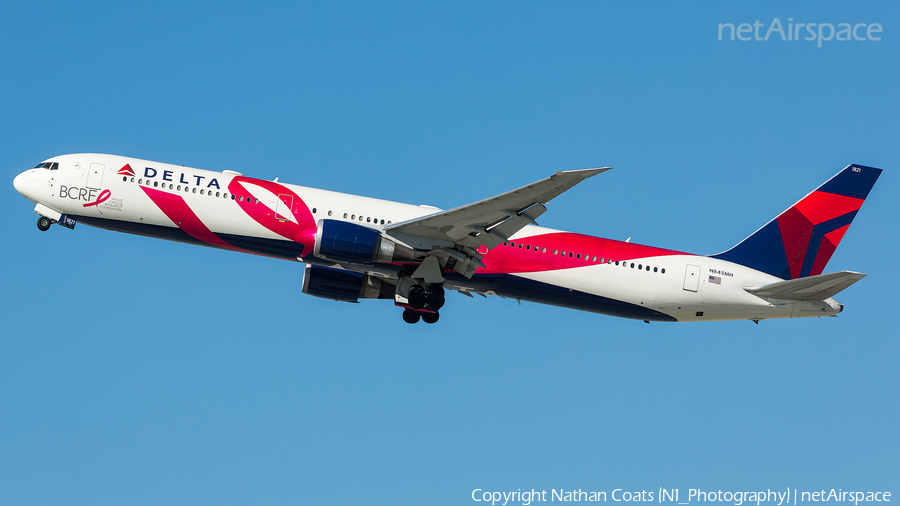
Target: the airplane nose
pixel 21 182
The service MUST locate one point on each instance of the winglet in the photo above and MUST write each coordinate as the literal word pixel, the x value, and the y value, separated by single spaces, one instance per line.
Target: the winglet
pixel 584 173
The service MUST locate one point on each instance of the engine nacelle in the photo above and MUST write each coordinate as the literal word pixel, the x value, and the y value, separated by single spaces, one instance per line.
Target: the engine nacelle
pixel 345 286
pixel 343 242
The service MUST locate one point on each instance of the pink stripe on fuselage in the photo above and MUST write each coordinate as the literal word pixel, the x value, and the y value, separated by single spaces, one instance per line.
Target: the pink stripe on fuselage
pixel 182 215
pixel 509 259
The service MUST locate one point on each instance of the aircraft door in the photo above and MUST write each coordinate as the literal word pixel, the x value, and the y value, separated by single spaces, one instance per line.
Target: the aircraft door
pixel 95 176
pixel 691 277
pixel 283 207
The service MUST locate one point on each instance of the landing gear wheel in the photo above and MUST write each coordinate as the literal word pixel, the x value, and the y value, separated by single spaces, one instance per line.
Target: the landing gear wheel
pixel 416 297
pixel 436 299
pixel 410 316
pixel 44 223
pixel 430 317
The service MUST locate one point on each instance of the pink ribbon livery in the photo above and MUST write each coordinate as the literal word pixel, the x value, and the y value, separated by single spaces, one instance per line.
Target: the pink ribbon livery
pixel 103 197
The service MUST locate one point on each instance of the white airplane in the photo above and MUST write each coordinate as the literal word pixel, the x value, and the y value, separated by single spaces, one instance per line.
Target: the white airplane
pixel 364 248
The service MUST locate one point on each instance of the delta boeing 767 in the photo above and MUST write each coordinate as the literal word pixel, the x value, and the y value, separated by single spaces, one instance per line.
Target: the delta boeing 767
pixel 363 248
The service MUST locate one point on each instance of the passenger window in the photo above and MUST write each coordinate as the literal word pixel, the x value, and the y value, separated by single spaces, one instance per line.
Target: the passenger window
pixel 520 245
pixel 345 216
pixel 201 192
pixel 640 267
pixel 217 193
pixel 617 262
pixel 543 250
pixel 368 220
pixel 382 222
pixel 570 254
pixel 171 186
pixel 654 269
pixel 156 183
pixel 125 179
pixel 632 265
pixel 240 199
pixel 194 190
pixel 528 247
pixel 556 252
pixel 663 271
pixel 329 213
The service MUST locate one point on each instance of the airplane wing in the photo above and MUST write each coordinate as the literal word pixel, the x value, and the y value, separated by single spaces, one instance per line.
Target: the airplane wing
pixel 459 232
pixel 818 287
pixel 490 221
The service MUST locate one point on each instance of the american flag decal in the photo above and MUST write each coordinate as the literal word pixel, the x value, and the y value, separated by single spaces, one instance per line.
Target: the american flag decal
pixel 715 280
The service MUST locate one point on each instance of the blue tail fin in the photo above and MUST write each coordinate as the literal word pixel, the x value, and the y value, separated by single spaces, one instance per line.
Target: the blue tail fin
pixel 800 241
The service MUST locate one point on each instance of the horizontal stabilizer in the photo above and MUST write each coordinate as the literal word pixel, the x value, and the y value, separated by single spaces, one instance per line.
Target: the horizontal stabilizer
pixel 819 287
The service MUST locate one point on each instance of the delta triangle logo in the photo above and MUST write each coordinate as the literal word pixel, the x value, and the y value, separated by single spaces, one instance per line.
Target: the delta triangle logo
pixel 126 171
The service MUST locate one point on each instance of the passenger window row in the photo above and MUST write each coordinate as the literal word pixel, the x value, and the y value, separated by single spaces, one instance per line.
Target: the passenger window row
pixel 368 219
pixel 241 198
pixel 202 191
pixel 587 257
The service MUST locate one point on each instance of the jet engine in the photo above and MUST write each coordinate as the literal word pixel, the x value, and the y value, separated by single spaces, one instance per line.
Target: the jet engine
pixel 343 242
pixel 344 286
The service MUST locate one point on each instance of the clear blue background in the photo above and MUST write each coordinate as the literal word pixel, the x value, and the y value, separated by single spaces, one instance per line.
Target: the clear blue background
pixel 137 371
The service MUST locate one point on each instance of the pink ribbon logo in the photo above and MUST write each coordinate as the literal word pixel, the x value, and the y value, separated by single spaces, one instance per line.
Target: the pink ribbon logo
pixel 103 197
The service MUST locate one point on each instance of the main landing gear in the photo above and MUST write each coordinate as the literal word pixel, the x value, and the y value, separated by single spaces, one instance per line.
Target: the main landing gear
pixel 423 304
pixel 44 223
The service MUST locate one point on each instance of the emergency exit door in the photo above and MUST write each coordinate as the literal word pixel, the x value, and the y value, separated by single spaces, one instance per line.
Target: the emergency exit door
pixel 283 207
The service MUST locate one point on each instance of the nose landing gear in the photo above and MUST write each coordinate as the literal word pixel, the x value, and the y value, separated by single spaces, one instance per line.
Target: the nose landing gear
pixel 44 223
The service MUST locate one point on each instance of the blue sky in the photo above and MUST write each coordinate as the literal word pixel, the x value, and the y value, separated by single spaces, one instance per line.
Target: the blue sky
pixel 136 371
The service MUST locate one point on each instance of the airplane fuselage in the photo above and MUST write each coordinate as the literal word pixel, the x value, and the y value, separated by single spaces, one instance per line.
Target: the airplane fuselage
pixel 230 211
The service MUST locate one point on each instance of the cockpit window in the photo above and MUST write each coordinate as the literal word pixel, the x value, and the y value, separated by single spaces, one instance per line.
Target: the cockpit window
pixel 47 165
pixel 39 166
pixel 55 166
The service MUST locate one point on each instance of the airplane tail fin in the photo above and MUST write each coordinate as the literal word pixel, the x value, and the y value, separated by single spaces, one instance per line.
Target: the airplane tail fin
pixel 800 241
